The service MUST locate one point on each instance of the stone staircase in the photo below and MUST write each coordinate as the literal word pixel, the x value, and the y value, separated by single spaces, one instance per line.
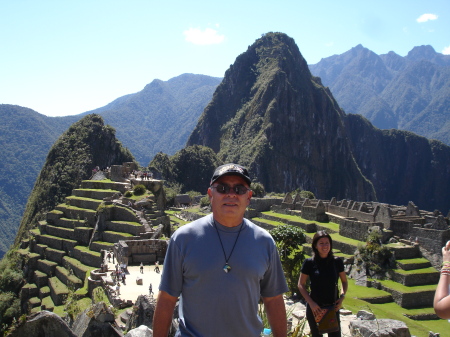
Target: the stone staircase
pixel 60 256
pixel 411 285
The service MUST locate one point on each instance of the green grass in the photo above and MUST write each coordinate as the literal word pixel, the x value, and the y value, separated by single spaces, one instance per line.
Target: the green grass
pixel 413 261
pixel 58 286
pixel 105 243
pixel 60 310
pixel 416 271
pixel 132 223
pixel 288 217
pixel 48 302
pixel 120 233
pixel 353 303
pixel 97 190
pixel 405 289
pixel 269 222
pixel 68 207
pixel 86 249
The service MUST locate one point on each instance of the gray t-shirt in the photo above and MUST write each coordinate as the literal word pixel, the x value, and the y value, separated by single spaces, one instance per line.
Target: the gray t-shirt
pixel 212 302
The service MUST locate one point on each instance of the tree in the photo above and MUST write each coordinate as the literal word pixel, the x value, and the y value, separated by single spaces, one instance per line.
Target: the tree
pixel 258 190
pixel 289 240
pixel 193 167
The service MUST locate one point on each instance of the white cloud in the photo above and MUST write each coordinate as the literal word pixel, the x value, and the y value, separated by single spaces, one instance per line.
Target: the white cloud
pixel 446 51
pixel 203 37
pixel 426 17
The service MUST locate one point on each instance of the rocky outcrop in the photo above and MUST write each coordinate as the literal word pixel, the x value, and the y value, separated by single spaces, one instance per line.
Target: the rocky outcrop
pixel 96 321
pixel 44 323
pixel 367 325
pixel 143 312
pixel 142 331
pixel 379 328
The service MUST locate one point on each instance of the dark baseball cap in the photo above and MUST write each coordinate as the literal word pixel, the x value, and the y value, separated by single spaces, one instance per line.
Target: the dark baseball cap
pixel 231 170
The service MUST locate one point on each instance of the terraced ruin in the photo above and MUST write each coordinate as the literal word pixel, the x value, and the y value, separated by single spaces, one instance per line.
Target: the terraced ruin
pixel 65 251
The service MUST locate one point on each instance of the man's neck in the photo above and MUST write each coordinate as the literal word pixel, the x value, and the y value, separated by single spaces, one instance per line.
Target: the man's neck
pixel 227 222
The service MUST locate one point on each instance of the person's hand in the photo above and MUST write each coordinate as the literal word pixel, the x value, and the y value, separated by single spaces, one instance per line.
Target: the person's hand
pixel 315 308
pixel 446 252
pixel 338 304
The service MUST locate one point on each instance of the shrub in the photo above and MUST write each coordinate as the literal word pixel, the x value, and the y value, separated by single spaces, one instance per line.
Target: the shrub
pixel 171 191
pixel 307 195
pixel 193 194
pixel 139 189
pixel 289 240
pixel 128 194
pixel 377 258
pixel 258 190
pixel 204 202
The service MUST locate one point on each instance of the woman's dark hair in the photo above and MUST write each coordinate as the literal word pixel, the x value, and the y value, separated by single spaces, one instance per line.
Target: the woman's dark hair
pixel 319 235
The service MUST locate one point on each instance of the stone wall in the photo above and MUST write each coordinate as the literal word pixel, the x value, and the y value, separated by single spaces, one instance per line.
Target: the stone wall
pixel 357 230
pixel 431 239
pixel 137 251
pixel 264 204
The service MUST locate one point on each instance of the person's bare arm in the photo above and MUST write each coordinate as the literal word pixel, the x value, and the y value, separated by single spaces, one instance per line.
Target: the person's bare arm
pixel 162 317
pixel 315 308
pixel 343 277
pixel 276 315
pixel 441 297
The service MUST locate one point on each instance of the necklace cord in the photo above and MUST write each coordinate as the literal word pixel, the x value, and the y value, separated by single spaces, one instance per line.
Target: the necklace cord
pixel 221 244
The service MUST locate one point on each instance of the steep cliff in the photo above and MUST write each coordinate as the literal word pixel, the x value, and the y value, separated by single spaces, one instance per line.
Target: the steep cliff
pixel 271 115
pixel 402 165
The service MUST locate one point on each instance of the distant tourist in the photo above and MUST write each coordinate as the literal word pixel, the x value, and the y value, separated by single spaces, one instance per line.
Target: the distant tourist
pixel 150 289
pixel 118 289
pixel 142 268
pixel 157 267
pixel 442 295
pixel 323 270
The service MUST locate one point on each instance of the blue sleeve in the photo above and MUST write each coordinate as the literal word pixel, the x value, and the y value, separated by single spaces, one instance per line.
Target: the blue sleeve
pixel 274 282
pixel 172 275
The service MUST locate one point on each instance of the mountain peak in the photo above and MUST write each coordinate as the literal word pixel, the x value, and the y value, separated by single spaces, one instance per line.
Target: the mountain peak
pixel 269 111
pixel 421 53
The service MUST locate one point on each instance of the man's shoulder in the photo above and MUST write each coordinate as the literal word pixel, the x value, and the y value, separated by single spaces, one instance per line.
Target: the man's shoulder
pixel 259 231
pixel 194 226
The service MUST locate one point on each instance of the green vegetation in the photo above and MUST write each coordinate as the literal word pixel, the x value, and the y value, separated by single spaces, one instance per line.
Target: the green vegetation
pixel 258 190
pixel 289 240
pixel 190 168
pixel 391 310
pixel 376 257
pixel 139 189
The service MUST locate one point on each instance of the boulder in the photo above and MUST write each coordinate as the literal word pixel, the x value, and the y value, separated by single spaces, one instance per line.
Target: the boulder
pixel 143 312
pixel 365 315
pixel 142 331
pixel 96 321
pixel 43 323
pixel 378 328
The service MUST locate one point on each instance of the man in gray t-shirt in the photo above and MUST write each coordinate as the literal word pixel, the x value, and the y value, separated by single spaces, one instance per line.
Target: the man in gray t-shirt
pixel 220 266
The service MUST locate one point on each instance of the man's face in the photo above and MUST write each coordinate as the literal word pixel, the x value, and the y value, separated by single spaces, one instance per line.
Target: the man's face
pixel 229 208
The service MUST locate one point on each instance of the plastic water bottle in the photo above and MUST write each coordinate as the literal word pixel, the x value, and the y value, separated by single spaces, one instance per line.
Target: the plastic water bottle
pixel 267 332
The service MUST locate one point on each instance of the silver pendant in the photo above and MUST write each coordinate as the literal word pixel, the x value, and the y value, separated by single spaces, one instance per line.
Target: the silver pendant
pixel 226 268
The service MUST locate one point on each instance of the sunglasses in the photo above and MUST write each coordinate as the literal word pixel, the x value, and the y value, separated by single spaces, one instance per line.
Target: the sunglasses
pixel 225 189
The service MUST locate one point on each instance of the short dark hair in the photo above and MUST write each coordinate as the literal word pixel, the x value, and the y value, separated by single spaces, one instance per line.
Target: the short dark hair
pixel 319 235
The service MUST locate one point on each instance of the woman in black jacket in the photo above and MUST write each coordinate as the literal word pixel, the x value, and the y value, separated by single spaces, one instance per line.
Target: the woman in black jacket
pixel 324 271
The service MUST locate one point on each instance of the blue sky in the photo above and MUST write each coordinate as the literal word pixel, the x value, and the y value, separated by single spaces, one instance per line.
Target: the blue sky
pixel 67 57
